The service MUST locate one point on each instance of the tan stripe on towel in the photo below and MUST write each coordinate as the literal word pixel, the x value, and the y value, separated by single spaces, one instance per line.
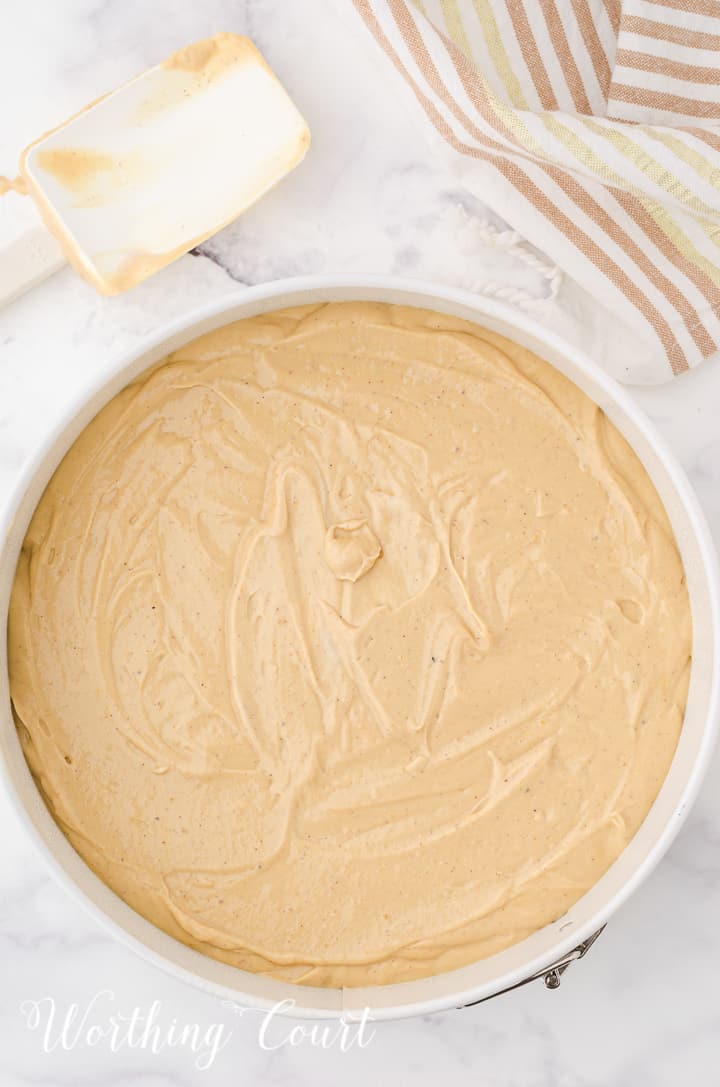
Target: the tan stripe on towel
pixel 661 100
pixel 516 175
pixel 712 139
pixel 652 218
pixel 531 54
pixel 614 10
pixel 674 254
pixel 588 29
pixel 693 7
pixel 575 191
pixel 558 37
pixel 668 32
pixel 646 62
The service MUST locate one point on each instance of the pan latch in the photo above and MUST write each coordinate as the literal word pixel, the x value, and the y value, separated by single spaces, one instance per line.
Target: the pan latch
pixel 551 975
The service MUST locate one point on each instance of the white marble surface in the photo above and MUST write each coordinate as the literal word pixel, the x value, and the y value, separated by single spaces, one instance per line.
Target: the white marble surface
pixel 643 1008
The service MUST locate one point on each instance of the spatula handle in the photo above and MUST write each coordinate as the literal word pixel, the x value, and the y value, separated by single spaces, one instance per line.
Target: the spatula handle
pixel 28 252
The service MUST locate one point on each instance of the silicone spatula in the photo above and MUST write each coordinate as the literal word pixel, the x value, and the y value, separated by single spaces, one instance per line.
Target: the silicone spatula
pixel 149 171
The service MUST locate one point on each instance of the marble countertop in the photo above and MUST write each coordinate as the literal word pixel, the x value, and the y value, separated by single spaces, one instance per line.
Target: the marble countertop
pixel 643 1007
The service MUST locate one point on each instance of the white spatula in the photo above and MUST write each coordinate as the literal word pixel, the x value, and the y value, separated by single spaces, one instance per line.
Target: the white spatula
pixel 148 172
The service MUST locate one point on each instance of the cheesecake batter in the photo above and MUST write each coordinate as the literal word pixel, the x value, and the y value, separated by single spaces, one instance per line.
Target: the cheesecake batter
pixel 350 645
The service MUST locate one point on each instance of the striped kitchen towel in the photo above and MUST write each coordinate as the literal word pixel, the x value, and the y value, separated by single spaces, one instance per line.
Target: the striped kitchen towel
pixel 592 127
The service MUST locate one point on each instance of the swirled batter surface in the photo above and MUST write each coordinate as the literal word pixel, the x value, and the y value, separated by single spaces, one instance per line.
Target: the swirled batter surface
pixel 350 645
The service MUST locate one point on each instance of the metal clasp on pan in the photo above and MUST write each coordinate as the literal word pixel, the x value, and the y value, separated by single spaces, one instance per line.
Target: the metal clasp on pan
pixel 551 975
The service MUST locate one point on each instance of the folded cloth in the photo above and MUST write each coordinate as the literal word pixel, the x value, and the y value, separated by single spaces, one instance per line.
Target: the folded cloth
pixel 592 127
